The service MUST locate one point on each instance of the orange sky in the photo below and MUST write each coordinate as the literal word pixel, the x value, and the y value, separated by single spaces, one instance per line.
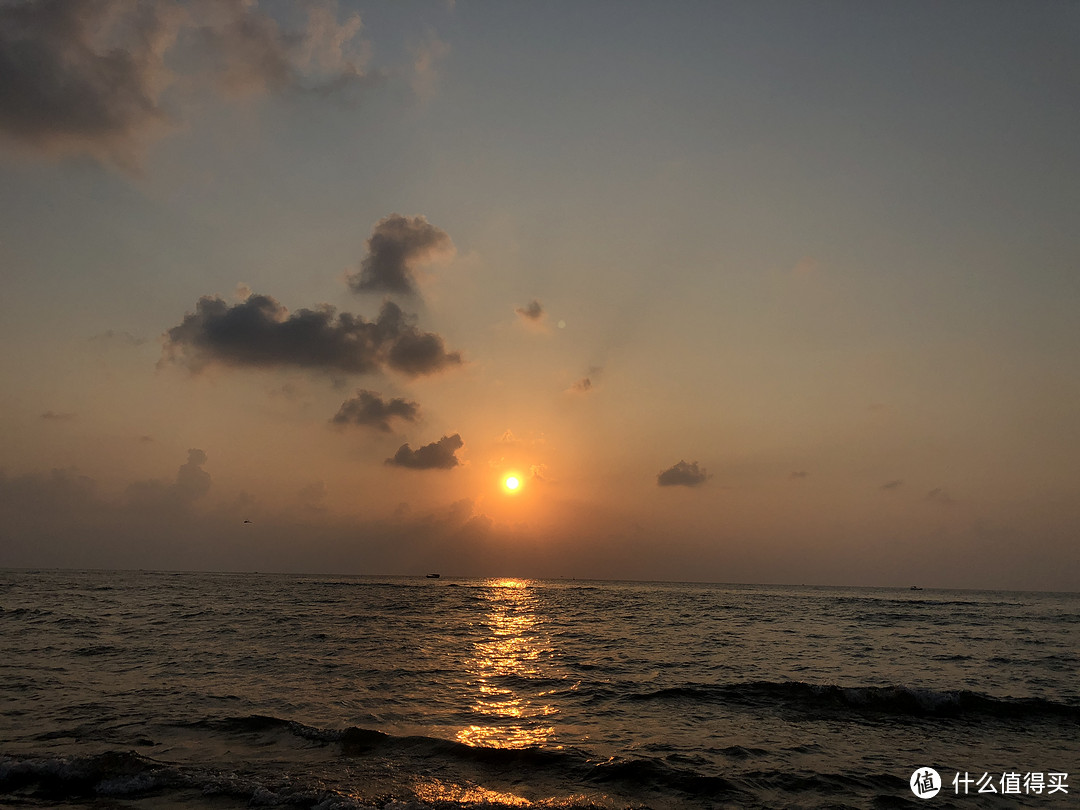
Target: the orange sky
pixel 756 294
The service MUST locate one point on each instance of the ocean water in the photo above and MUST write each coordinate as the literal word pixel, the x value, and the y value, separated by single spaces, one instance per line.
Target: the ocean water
pixel 165 690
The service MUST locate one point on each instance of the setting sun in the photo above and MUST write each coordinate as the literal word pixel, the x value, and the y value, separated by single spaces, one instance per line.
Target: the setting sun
pixel 512 483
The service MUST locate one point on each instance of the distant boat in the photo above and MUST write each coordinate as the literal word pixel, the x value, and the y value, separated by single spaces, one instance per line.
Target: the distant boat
pixel 433 576
pixel 916 588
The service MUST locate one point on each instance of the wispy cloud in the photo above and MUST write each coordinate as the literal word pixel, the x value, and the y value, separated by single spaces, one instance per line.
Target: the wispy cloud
pixel 586 383
pixel 57 416
pixel 940 496
pixel 426 58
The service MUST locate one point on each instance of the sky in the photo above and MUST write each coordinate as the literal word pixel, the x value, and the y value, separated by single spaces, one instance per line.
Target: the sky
pixel 768 292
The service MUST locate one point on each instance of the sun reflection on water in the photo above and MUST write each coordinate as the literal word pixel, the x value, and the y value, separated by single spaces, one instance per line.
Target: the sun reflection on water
pixel 504 660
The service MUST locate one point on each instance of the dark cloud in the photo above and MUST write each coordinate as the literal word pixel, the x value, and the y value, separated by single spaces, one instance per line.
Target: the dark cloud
pixel 435 456
pixel 682 475
pixel 896 484
pixel 260 332
pixel 89 76
pixel 533 312
pixel 396 246
pixel 367 408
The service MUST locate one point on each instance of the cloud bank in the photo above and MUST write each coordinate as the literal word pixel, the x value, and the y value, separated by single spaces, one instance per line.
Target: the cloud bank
pixel 368 409
pixel 682 475
pixel 397 245
pixel 435 456
pixel 260 333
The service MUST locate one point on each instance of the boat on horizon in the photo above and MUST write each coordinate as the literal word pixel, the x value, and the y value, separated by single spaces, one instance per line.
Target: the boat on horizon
pixel 433 576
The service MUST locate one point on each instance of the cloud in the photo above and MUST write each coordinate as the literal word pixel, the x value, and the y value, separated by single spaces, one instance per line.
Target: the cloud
pixel 397 245
pixel 55 416
pixel 367 408
pixel 259 332
pixel 112 336
pixel 799 475
pixel 425 76
pixel 192 482
pixel 435 456
pixel 940 496
pixel 682 475
pixel 91 77
pixel 533 312
pixel 892 484
pixel 586 383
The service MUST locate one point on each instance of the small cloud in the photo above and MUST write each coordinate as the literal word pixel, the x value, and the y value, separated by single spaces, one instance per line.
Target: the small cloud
pixel 397 245
pixel 586 383
pixel 940 496
pixel 799 475
pixel 895 484
pixel 369 409
pixel 146 439
pixel 435 456
pixel 533 312
pixel 682 475
pixel 56 416
pixel 508 437
pixel 242 292
pixel 538 472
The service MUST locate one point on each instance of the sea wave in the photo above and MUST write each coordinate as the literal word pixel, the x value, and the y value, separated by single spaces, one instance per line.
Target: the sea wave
pixel 891 700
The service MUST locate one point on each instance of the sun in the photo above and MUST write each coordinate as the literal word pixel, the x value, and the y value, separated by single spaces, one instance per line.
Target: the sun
pixel 511 482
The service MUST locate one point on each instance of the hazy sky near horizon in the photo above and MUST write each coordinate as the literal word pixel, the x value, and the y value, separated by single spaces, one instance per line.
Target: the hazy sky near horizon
pixel 758 292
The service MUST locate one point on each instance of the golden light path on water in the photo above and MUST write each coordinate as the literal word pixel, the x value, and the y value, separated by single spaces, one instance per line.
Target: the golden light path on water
pixel 513 648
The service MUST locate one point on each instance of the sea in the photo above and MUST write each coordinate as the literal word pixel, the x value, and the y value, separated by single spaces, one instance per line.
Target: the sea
pixel 140 689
